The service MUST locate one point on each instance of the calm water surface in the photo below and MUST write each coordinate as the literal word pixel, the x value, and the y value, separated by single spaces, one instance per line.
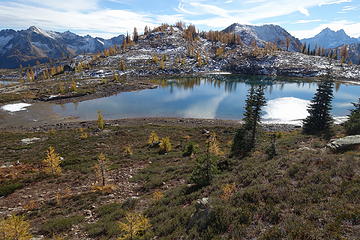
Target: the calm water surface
pixel 217 96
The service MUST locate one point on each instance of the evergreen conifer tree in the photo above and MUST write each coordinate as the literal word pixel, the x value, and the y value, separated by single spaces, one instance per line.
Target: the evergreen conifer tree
pixel 319 119
pixel 245 138
pixel 352 126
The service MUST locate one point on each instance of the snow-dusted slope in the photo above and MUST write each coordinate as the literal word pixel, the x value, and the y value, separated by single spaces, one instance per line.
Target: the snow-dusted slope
pixel 328 38
pixel 35 44
pixel 265 33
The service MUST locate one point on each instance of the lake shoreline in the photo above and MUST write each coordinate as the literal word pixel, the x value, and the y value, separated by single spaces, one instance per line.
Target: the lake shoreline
pixel 66 124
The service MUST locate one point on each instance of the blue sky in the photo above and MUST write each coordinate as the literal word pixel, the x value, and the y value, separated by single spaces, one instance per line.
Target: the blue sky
pixel 107 18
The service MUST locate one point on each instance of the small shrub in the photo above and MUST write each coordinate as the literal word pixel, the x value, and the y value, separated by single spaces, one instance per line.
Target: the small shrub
pixel 83 134
pixel 60 224
pixel 271 151
pixel 204 171
pixel 228 191
pixel 191 149
pixel 273 233
pixel 8 188
pixel 128 151
pixel 157 196
pixel 104 189
pixel 15 228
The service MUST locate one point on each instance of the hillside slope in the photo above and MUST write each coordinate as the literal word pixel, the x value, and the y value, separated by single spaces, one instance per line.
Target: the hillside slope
pixel 265 33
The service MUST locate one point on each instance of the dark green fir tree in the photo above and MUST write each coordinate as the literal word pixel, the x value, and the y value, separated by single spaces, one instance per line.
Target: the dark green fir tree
pixel 245 137
pixel 320 119
pixel 352 126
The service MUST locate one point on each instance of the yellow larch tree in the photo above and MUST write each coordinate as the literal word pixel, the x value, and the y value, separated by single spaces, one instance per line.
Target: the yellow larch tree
pixel 100 169
pixel 15 228
pixel 165 145
pixel 134 225
pixel 213 145
pixel 153 138
pixel 52 162
pixel 100 121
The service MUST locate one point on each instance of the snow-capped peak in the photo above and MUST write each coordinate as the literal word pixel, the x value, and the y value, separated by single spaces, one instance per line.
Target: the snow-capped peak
pixel 40 31
pixel 329 38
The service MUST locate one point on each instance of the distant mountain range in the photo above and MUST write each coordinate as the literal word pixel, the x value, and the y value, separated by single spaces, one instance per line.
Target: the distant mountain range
pixel 328 38
pixel 28 46
pixel 263 34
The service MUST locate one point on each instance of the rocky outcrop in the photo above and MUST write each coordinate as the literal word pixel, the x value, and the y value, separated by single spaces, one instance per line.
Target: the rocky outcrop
pixel 202 216
pixel 346 143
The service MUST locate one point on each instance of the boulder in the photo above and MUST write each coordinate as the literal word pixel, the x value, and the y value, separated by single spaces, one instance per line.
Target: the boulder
pixel 202 216
pixel 346 143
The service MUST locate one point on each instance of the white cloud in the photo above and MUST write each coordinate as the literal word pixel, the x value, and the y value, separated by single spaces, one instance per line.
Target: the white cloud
pixel 100 22
pixel 88 16
pixel 219 15
pixel 66 5
pixel 304 11
pixel 307 21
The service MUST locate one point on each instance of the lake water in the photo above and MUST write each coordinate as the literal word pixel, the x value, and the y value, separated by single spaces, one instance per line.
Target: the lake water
pixel 7 82
pixel 213 97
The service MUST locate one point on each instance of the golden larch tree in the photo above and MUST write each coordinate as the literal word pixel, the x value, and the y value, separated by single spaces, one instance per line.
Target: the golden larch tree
pixel 134 225
pixel 52 162
pixel 100 169
pixel 165 145
pixel 153 138
pixel 15 228
pixel 213 145
pixel 100 121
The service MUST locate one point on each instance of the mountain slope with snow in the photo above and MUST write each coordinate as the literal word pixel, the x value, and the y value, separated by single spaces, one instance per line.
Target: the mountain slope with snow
pixel 265 33
pixel 28 46
pixel 328 38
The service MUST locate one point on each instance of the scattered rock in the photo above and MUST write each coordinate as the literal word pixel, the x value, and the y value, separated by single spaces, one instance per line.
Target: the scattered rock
pixel 202 216
pixel 204 131
pixel 346 143
pixel 30 140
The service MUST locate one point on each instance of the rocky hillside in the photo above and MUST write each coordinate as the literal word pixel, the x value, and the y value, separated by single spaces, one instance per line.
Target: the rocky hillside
pixel 266 33
pixel 166 51
pixel 26 47
pixel 328 38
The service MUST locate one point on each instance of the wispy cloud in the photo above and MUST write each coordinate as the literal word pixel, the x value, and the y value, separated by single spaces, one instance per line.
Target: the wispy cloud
pixel 304 21
pixel 220 15
pixel 84 17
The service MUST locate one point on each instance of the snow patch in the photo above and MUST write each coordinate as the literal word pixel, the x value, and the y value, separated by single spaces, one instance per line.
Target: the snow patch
pixel 139 57
pixel 5 40
pixel 16 107
pixel 30 140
